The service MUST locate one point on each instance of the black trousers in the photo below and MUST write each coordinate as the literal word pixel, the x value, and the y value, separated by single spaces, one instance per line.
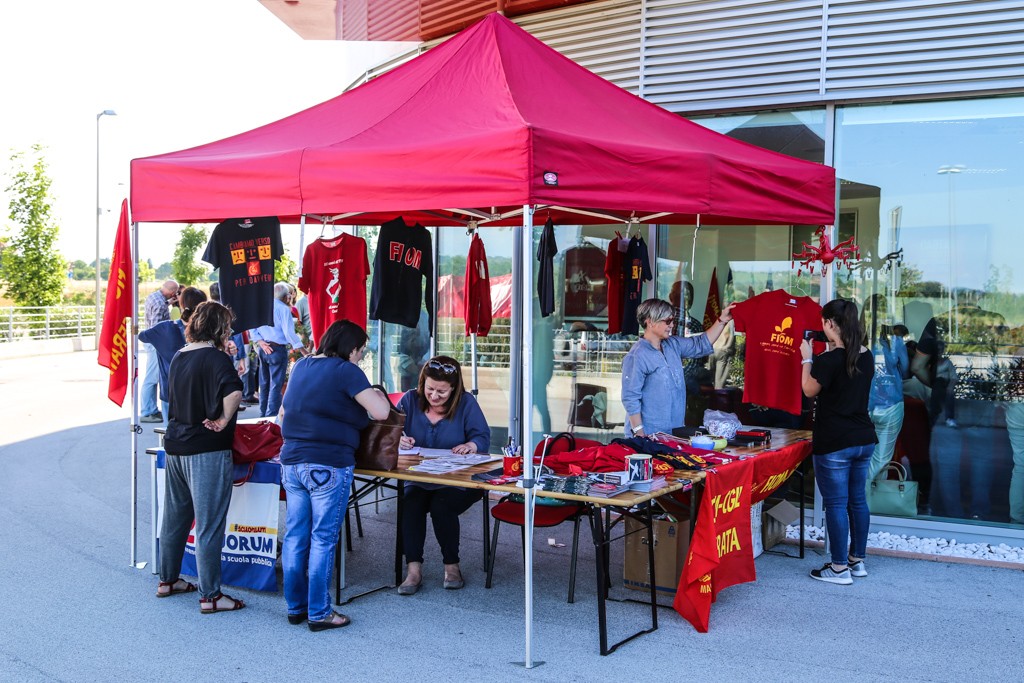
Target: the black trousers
pixel 444 506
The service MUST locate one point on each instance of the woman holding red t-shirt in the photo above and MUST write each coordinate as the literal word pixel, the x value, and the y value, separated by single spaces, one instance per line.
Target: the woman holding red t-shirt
pixel 844 436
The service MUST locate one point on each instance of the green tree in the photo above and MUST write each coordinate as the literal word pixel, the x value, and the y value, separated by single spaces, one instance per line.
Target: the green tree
pixel 184 267
pixel 32 270
pixel 286 270
pixel 146 272
pixel 163 271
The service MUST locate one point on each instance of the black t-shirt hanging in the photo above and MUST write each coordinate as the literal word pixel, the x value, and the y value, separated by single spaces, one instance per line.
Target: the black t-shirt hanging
pixel 637 269
pixel 404 259
pixel 244 249
pixel 546 251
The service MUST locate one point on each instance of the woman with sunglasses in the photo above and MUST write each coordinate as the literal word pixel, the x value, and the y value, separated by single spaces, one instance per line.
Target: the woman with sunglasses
pixel 653 382
pixel 439 414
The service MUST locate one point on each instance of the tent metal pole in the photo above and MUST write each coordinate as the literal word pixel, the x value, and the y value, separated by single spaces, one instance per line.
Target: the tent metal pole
pixel 526 418
pixel 302 240
pixel 134 377
pixel 472 346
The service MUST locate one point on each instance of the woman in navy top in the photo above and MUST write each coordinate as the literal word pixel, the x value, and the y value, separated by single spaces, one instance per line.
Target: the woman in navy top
pixel 325 407
pixel 439 414
pixel 168 337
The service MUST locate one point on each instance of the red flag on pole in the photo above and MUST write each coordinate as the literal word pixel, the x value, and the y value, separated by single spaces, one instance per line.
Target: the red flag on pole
pixel 713 309
pixel 113 342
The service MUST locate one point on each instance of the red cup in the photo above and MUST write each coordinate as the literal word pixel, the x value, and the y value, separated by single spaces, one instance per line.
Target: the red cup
pixel 512 465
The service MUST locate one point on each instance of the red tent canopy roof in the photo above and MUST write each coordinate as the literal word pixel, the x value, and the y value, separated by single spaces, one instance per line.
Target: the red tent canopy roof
pixel 479 124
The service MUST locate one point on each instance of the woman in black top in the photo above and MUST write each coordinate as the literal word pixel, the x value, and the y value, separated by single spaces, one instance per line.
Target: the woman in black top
pixel 844 436
pixel 204 392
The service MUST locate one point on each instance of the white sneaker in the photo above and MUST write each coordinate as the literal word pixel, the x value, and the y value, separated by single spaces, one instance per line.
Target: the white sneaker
pixel 858 569
pixel 829 575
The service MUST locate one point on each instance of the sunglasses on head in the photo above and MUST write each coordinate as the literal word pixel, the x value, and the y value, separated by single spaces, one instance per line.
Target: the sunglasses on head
pixel 446 368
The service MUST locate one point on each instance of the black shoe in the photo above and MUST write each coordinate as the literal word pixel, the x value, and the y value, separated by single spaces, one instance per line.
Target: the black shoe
pixel 296 619
pixel 155 417
pixel 329 622
pixel 251 401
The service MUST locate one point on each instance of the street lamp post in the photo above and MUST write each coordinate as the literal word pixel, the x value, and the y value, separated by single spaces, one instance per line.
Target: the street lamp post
pixel 99 314
pixel 951 171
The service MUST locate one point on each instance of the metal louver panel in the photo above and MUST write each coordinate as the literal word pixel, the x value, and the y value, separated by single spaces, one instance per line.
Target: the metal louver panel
pixel 444 17
pixel 880 47
pixel 393 20
pixel 708 54
pixel 601 36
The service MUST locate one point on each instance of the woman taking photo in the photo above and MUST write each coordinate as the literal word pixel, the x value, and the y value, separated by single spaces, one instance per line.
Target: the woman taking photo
pixel 438 414
pixel 844 436
pixel 325 407
pixel 204 393
pixel 653 380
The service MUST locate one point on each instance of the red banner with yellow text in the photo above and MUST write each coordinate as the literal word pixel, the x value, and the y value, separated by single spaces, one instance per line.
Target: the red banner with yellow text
pixel 113 342
pixel 720 551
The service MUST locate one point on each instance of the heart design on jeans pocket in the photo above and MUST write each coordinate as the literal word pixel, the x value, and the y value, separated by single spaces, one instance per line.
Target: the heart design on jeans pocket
pixel 320 477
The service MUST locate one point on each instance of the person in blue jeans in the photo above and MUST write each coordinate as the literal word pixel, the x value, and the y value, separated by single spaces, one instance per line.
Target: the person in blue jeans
pixel 272 344
pixel 844 436
pixel 325 407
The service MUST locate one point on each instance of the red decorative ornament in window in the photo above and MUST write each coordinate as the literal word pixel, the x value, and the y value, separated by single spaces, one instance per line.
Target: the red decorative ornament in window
pixel 825 253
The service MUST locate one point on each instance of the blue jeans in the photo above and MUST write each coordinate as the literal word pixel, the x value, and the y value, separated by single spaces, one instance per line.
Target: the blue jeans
pixel 147 395
pixel 888 422
pixel 273 368
pixel 317 498
pixel 842 478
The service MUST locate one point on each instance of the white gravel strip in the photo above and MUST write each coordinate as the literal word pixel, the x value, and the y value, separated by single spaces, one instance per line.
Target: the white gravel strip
pixel 927 546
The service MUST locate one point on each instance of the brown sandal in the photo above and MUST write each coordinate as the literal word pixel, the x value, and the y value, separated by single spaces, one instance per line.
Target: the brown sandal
pixel 209 605
pixel 189 588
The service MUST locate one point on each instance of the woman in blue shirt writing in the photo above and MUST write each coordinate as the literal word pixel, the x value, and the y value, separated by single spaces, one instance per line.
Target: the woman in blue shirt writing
pixel 439 414
pixel 653 383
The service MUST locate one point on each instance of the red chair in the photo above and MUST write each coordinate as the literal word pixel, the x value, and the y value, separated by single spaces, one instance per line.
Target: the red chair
pixel 512 512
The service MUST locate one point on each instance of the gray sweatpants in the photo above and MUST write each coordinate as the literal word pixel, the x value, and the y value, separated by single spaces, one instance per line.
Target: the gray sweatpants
pixel 197 487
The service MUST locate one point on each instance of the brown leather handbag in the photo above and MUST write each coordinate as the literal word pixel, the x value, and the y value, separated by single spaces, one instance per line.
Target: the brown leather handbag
pixel 378 442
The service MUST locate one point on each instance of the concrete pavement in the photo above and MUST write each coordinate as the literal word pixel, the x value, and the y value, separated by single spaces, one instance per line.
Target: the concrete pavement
pixel 73 609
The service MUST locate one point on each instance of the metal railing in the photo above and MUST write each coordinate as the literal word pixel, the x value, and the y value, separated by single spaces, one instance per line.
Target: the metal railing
pixel 22 323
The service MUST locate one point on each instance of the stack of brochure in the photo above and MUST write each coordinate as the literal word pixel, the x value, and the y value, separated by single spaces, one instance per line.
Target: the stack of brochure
pixel 600 490
pixel 648 485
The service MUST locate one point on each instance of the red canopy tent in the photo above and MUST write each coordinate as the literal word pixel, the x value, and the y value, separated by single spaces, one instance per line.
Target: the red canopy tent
pixel 484 129
pixel 451 293
pixel 478 127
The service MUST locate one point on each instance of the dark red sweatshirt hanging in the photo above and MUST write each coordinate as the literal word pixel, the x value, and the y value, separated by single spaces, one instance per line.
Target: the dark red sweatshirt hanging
pixel 477 296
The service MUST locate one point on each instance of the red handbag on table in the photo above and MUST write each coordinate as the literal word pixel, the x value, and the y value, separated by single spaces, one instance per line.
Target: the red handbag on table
pixel 256 442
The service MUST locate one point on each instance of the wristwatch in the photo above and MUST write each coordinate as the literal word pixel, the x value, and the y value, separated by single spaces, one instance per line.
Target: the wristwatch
pixel 636 429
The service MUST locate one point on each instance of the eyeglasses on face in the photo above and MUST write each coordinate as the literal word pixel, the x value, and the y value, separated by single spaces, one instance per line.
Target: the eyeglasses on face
pixel 668 321
pixel 446 368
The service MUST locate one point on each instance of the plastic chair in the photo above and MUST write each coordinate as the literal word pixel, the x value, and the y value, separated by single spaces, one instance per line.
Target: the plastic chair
pixel 512 512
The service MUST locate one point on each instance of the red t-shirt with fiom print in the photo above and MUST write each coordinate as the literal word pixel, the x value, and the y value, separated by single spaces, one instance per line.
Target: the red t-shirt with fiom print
pixel 774 323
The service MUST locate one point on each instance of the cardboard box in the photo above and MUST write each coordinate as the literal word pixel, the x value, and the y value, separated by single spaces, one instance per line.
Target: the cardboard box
pixel 774 523
pixel 671 543
pixel 756 523
pixel 768 525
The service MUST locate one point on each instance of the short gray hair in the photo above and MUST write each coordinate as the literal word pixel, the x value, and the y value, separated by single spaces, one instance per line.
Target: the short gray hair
pixel 653 309
pixel 282 291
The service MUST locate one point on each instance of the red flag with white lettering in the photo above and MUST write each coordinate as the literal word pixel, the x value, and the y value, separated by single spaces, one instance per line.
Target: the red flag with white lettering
pixel 113 342
pixel 713 309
